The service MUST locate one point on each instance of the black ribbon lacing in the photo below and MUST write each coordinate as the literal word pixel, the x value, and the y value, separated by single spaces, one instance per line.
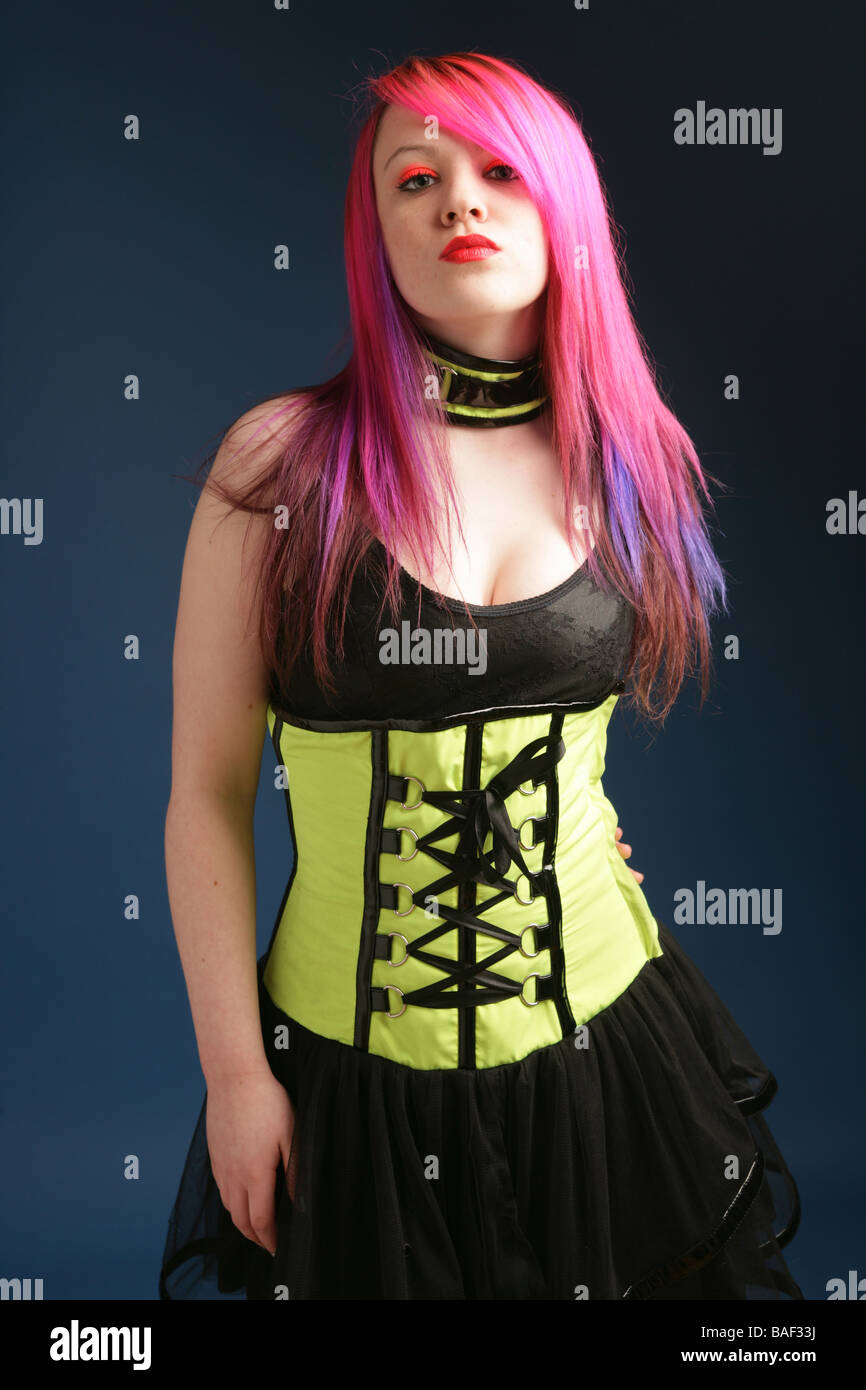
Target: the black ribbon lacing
pixel 475 813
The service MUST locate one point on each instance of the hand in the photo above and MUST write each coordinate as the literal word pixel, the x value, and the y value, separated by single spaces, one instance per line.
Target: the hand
pixel 250 1124
pixel 625 851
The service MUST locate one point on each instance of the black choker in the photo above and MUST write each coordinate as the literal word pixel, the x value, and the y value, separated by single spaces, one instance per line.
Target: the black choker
pixel 484 391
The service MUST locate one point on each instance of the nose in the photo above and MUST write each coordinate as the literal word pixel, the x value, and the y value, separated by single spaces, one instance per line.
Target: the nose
pixel 461 210
pixel 463 199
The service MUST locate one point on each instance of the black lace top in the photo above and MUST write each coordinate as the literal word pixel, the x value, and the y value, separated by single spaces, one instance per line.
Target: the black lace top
pixel 571 643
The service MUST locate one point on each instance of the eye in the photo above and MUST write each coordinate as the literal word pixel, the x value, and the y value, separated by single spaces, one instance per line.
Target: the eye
pixel 406 184
pixel 412 176
pixel 491 167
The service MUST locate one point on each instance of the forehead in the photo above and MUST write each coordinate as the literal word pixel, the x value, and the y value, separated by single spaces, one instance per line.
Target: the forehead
pixel 400 126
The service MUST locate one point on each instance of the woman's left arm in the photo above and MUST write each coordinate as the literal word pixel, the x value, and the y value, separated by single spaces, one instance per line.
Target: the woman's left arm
pixel 625 851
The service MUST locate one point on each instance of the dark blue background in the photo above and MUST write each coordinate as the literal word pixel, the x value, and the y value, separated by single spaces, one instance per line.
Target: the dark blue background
pixel 155 257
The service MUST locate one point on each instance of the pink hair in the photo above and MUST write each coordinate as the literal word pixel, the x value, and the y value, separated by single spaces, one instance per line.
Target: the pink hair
pixel 359 455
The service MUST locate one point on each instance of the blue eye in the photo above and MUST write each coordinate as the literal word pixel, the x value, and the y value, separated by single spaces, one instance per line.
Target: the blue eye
pixel 411 179
pixel 406 187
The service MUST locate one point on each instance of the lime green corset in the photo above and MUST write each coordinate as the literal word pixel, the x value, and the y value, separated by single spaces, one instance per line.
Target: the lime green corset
pixel 457 898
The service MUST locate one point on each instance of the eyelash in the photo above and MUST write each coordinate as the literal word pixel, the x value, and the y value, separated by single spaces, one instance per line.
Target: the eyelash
pixel 426 174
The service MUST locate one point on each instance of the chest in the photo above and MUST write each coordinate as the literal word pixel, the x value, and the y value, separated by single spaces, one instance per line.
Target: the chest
pixel 512 511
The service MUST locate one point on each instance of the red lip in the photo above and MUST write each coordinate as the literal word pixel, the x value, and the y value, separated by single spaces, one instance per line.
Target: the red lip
pixel 468 248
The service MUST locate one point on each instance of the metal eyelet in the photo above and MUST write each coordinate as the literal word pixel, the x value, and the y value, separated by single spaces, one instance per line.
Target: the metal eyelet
pixel 409 889
pixel 417 780
pixel 404 858
pixel 405 941
pixel 530 1003
pixel 526 821
pixel 533 788
pixel 523 951
pixel 525 901
pixel 400 992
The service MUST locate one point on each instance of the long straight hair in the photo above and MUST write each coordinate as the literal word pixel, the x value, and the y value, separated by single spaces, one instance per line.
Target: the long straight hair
pixel 356 455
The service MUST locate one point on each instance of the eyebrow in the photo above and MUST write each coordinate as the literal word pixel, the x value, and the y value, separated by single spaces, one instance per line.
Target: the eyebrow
pixel 401 149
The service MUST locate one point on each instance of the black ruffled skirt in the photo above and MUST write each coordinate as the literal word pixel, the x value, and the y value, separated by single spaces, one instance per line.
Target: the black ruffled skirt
pixel 638 1165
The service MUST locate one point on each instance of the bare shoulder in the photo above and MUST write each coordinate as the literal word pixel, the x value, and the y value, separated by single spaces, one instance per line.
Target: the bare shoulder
pixel 220 677
pixel 252 444
pixel 245 468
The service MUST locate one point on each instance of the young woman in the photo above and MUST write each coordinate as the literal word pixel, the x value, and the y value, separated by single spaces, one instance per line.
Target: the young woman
pixel 472 1063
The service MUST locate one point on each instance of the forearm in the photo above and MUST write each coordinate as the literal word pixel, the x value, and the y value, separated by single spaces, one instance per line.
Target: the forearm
pixel 210 872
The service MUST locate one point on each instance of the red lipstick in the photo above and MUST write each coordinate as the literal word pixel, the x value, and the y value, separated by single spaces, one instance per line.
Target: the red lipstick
pixel 469 248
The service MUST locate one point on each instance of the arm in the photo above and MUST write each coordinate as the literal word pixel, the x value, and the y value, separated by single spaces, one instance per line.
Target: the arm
pixel 220 699
pixel 220 702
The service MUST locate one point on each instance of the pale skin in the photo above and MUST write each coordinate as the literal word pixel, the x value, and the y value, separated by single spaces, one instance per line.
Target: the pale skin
pixel 512 510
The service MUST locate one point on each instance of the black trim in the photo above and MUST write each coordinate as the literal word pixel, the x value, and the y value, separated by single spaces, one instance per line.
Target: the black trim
pixel 752 1105
pixel 275 739
pixel 467 897
pixel 457 357
pixel 372 898
pixel 423 726
pixel 749 1105
pixel 787 1233
pixel 705 1250
pixel 551 891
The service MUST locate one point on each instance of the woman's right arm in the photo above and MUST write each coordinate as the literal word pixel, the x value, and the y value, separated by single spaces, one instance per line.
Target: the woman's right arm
pixel 220 685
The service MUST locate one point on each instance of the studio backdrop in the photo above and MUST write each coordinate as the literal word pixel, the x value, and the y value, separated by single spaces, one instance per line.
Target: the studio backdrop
pixel 172 249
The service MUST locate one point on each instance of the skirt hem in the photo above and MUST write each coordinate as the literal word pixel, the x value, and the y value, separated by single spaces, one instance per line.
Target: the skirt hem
pixel 557 1176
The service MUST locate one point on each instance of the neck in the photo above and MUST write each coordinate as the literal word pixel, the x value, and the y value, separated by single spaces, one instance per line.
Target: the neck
pixel 486 392
pixel 508 335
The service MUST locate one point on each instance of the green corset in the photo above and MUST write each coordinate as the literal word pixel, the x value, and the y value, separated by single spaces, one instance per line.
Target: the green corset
pixel 457 898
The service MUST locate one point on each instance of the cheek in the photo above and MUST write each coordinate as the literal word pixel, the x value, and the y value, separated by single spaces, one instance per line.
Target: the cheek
pixel 395 247
pixel 408 251
pixel 406 268
pixel 533 248
pixel 536 244
pixel 393 240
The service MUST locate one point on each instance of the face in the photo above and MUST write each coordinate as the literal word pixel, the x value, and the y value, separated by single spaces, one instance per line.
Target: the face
pixel 485 302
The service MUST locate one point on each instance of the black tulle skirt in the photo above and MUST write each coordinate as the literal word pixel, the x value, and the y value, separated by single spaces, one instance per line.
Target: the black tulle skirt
pixel 638 1165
